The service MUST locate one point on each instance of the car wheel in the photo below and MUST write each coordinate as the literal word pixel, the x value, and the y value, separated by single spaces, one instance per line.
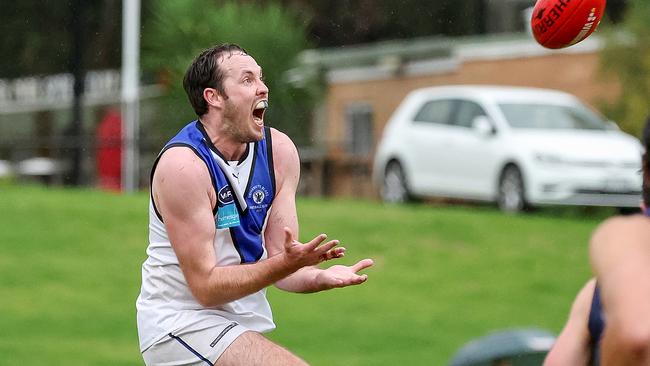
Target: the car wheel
pixel 394 188
pixel 511 196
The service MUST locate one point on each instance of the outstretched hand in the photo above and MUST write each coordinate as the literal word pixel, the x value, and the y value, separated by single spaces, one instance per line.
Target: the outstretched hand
pixel 342 276
pixel 300 255
pixel 312 253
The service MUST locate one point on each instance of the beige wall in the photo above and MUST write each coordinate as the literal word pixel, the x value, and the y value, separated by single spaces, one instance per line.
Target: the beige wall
pixel 574 73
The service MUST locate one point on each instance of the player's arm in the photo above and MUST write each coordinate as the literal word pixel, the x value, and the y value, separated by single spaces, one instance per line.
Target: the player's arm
pixel 283 214
pixel 620 256
pixel 572 345
pixel 184 196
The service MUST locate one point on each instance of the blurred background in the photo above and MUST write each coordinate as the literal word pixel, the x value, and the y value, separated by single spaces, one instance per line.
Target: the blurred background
pixel 91 90
pixel 336 73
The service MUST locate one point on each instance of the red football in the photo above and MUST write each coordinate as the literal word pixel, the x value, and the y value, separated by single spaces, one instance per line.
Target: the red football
pixel 562 23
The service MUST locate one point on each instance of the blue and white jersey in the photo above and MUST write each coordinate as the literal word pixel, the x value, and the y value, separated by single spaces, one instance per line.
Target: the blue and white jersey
pixel 245 191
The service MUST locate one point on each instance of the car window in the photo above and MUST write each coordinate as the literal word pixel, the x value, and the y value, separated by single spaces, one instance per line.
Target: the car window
pixel 548 116
pixel 436 111
pixel 466 113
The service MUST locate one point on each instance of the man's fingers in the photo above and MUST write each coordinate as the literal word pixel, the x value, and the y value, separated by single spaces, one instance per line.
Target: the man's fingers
pixel 312 244
pixel 323 249
pixel 354 280
pixel 333 253
pixel 336 253
pixel 359 279
pixel 362 264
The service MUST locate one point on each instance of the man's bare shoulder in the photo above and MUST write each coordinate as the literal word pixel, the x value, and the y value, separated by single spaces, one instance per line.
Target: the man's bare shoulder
pixel 620 240
pixel 180 159
pixel 181 167
pixel 285 153
pixel 282 143
pixel 623 225
pixel 181 181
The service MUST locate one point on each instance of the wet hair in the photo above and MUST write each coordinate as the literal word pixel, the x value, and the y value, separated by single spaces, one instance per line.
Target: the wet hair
pixel 645 162
pixel 204 72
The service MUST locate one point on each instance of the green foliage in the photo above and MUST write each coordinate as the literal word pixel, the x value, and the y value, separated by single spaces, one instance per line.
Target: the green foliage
pixel 365 21
pixel 627 57
pixel 70 270
pixel 179 29
pixel 38 37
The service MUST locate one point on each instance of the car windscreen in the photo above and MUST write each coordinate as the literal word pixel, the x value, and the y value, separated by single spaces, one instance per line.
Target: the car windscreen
pixel 552 116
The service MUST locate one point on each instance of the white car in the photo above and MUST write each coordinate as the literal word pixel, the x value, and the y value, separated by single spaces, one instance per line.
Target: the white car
pixel 516 146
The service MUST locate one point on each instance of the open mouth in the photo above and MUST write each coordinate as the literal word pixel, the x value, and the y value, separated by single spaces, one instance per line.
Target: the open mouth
pixel 258 112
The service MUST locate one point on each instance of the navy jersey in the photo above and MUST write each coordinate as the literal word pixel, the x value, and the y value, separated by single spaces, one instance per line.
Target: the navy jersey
pixel 596 326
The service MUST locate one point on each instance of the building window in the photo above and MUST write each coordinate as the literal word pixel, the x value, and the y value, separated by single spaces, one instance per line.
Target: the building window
pixel 359 129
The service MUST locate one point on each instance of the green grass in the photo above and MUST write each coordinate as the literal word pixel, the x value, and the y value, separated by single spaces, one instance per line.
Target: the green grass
pixel 70 273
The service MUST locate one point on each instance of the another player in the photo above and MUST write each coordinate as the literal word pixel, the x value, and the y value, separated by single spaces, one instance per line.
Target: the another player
pixel 223 224
pixel 609 323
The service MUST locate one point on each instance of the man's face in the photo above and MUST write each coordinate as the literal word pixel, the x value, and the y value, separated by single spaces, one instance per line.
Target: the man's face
pixel 246 97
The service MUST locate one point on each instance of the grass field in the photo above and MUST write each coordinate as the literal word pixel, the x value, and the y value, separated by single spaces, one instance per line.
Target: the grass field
pixel 70 273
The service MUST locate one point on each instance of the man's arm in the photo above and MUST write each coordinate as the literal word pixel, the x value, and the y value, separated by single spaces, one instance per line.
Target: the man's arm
pixel 620 256
pixel 283 214
pixel 184 196
pixel 572 345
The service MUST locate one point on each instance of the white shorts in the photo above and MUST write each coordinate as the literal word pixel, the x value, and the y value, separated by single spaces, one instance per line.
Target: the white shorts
pixel 193 346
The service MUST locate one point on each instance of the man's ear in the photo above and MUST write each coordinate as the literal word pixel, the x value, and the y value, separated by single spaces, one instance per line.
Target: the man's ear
pixel 213 97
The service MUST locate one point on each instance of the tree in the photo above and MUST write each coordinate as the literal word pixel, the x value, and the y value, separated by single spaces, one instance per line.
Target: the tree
pixel 627 57
pixel 179 29
pixel 37 39
pixel 347 22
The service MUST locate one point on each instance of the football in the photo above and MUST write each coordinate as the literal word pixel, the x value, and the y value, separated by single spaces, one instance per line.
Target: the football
pixel 562 23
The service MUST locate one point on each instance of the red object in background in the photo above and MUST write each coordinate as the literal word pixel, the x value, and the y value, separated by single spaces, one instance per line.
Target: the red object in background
pixel 109 151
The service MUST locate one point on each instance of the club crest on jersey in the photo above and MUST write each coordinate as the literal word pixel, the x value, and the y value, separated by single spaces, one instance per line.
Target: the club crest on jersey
pixel 225 196
pixel 259 195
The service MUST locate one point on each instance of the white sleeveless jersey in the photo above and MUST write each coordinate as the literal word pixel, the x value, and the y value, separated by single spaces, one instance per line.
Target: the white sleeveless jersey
pixel 165 303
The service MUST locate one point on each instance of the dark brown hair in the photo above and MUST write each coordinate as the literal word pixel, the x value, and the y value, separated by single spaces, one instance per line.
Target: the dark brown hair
pixel 204 72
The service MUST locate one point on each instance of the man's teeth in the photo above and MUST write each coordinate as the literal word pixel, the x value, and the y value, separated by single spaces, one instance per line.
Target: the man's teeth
pixel 262 104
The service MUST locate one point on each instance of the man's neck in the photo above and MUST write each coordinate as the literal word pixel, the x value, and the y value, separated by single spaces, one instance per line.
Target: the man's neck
pixel 230 149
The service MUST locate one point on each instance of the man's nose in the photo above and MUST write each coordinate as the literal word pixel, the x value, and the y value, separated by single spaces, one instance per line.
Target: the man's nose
pixel 263 89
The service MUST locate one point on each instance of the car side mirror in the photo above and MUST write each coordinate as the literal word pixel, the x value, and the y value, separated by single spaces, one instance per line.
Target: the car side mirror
pixel 483 126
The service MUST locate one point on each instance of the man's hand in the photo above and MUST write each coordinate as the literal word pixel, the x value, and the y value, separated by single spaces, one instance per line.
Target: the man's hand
pixel 342 276
pixel 303 258
pixel 298 255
